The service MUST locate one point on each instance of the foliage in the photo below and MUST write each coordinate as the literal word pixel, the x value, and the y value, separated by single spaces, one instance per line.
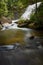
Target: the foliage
pixel 39 18
pixel 14 8
pixel 3 8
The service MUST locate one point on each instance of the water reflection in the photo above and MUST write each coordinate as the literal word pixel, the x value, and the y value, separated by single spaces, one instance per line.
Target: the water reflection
pixel 21 36
pixel 38 33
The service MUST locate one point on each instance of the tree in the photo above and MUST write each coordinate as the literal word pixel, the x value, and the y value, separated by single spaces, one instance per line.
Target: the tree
pixel 3 8
pixel 36 6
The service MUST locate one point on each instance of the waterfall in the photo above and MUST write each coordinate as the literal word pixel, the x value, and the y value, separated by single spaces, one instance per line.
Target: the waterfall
pixel 13 25
pixel 30 9
pixel 26 15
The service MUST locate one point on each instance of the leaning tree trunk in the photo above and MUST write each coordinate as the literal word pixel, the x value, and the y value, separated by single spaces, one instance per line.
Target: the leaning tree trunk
pixel 36 10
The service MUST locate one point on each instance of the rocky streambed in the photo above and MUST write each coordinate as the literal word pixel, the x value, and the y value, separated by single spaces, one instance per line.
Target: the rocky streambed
pixel 27 47
pixel 22 56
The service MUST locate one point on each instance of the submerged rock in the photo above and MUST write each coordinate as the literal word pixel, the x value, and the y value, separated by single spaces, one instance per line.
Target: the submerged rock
pixel 23 57
pixel 31 37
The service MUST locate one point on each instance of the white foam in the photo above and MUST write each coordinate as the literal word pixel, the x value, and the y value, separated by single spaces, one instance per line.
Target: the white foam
pixel 25 16
pixel 7 46
pixel 29 10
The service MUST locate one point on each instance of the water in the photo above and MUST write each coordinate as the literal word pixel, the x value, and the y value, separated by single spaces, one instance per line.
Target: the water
pixel 26 15
pixel 30 9
pixel 6 47
pixel 10 33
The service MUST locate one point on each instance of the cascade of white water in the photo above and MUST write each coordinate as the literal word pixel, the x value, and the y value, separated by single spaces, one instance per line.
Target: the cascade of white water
pixel 25 16
pixel 10 26
pixel 29 10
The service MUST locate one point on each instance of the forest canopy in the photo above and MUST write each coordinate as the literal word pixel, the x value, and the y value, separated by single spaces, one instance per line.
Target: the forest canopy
pixel 10 8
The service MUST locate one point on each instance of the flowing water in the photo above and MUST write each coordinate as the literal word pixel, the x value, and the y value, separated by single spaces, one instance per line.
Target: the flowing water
pixel 26 15
pixel 11 34
pixel 30 9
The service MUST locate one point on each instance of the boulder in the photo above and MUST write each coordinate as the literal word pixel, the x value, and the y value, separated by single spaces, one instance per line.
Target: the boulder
pixel 6 20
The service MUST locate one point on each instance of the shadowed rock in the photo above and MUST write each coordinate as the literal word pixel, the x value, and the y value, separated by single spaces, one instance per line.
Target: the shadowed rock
pixel 31 37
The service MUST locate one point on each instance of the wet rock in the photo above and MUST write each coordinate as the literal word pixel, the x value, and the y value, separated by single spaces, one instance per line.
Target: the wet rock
pixel 17 45
pixel 33 41
pixel 31 37
pixel 6 27
pixel 24 57
pixel 30 47
pixel 38 43
pixel 12 24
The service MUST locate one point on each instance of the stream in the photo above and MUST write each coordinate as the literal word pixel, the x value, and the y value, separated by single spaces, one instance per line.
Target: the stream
pixel 11 33
pixel 21 46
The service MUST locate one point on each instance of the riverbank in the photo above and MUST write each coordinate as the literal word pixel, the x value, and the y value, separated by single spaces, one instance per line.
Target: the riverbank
pixel 29 24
